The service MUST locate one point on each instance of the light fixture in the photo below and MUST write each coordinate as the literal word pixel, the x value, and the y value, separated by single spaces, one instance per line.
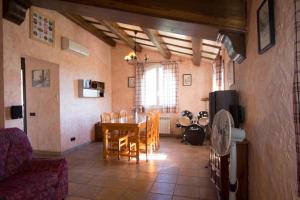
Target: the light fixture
pixel 131 57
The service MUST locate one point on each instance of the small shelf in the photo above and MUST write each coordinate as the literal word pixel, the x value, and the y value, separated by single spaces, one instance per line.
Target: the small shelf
pixel 90 88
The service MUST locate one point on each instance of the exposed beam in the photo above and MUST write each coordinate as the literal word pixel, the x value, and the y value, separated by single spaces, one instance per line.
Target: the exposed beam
pixel 227 14
pixel 197 47
pixel 157 41
pixel 117 30
pixel 90 8
pixel 90 28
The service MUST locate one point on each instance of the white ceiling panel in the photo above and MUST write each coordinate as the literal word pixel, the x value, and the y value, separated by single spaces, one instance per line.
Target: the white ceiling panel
pixel 144 42
pixel 130 26
pixel 177 42
pixel 184 37
pixel 211 42
pixel 210 49
pixel 208 55
pixel 180 49
pixel 140 35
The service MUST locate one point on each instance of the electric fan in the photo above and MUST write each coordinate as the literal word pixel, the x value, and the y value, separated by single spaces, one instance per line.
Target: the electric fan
pixel 223 139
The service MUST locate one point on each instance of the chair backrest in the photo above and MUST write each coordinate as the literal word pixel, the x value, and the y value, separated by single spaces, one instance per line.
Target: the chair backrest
pixel 123 114
pixel 150 125
pixel 114 116
pixel 15 150
pixel 105 117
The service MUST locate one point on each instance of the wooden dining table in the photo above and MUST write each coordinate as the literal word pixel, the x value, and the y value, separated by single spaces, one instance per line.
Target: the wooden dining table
pixel 131 124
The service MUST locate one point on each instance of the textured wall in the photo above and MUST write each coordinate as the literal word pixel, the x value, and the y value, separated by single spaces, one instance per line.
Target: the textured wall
pixel 1 71
pixel 189 96
pixel 77 115
pixel 265 86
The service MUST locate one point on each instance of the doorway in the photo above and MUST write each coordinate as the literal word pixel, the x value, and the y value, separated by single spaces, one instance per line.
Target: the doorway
pixel 41 97
pixel 23 94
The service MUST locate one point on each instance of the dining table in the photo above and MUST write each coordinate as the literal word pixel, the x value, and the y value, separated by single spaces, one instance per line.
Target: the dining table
pixel 133 124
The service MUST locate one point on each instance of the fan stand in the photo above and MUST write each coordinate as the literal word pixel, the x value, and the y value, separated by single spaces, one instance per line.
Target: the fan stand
pixel 232 172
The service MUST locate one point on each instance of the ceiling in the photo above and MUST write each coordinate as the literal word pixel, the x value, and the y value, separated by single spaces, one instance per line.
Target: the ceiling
pixel 172 43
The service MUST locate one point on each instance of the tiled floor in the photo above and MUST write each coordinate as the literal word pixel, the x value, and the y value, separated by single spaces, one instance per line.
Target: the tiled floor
pixel 177 171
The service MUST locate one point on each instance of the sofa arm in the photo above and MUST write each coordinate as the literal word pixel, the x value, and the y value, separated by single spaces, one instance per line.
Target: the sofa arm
pixel 57 165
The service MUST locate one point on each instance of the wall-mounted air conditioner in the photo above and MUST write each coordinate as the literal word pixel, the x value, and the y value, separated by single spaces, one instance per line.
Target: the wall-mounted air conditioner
pixel 69 45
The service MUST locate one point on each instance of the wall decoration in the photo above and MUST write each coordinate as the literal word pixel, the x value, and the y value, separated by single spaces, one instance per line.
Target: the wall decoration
pixel 187 79
pixel 131 82
pixel 265 26
pixel 41 78
pixel 231 73
pixel 42 28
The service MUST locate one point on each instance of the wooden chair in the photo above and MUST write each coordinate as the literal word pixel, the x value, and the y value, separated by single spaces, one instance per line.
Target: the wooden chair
pixel 117 142
pixel 156 129
pixel 123 114
pixel 146 138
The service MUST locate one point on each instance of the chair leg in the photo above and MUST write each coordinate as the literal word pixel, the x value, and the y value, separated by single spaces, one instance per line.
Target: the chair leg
pixel 146 152
pixel 119 149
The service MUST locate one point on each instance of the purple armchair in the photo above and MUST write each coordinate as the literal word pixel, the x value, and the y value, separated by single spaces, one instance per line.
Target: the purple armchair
pixel 25 178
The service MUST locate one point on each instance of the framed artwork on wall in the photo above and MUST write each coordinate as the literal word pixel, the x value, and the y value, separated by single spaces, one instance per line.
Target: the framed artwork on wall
pixel 41 78
pixel 265 26
pixel 187 79
pixel 41 28
pixel 131 82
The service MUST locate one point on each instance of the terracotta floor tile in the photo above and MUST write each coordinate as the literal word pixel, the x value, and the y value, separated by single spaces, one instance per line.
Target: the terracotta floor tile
pixel 110 194
pixel 163 188
pixel 75 198
pixel 187 191
pixel 166 178
pixel 92 178
pixel 154 196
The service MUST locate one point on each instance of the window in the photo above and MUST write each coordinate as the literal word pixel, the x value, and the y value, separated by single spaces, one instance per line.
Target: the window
pixel 159 87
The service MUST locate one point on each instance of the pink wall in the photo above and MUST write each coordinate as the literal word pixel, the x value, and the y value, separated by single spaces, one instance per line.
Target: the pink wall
pixel 189 96
pixel 265 86
pixel 1 71
pixel 77 115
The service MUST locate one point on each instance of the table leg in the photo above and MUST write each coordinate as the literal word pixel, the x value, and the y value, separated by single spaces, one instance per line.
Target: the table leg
pixel 137 135
pixel 105 142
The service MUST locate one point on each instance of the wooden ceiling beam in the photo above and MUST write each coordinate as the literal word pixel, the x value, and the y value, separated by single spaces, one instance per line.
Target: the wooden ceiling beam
pixel 92 8
pixel 197 47
pixel 118 31
pixel 229 14
pixel 90 28
pixel 157 41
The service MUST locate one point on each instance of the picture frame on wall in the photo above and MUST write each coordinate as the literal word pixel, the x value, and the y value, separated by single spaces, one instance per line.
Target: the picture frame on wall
pixel 265 26
pixel 41 78
pixel 131 82
pixel 42 28
pixel 187 79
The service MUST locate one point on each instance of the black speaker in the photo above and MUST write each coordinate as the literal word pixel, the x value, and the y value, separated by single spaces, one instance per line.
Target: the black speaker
pixel 16 112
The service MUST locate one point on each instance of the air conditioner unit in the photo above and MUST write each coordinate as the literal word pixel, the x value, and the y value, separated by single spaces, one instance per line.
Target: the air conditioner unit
pixel 69 45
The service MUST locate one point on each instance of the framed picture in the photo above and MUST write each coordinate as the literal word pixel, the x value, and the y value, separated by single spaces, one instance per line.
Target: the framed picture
pixel 131 82
pixel 187 79
pixel 41 78
pixel 265 26
pixel 231 73
pixel 41 28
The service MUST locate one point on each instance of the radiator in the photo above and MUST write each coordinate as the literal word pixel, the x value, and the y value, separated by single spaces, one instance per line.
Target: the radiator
pixel 164 125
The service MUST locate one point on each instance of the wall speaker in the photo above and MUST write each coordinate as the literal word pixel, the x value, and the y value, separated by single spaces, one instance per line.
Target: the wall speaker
pixel 16 112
